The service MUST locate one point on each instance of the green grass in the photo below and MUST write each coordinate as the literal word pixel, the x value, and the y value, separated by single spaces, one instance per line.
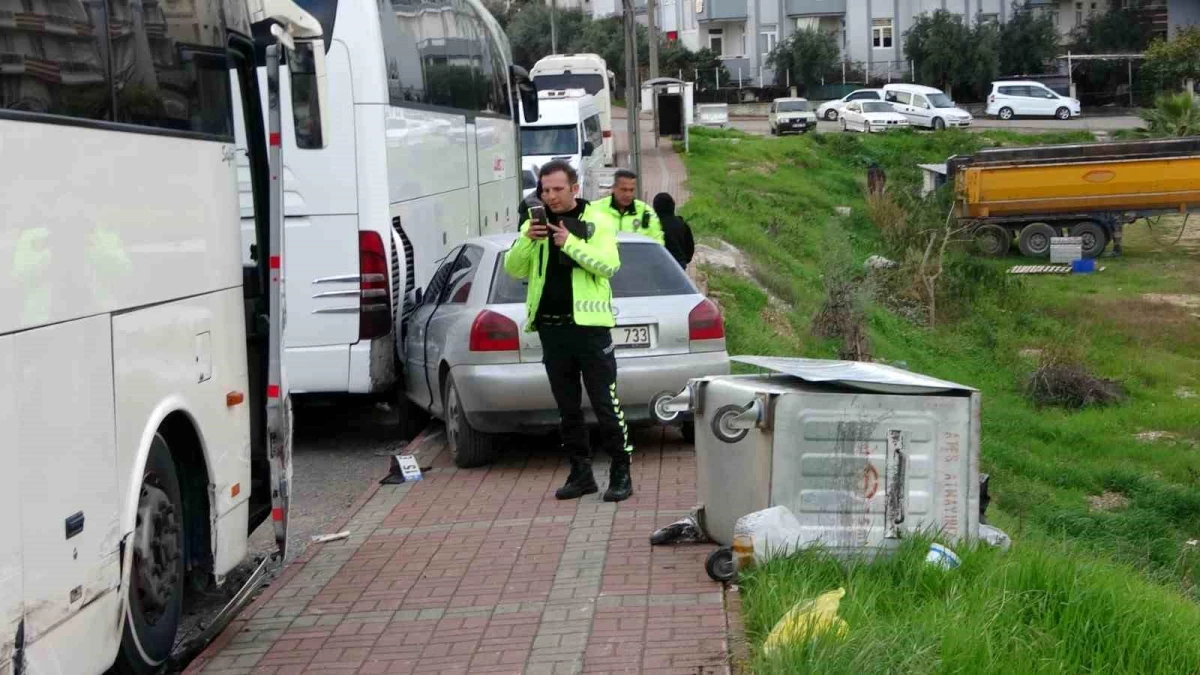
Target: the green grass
pixel 774 199
pixel 1035 609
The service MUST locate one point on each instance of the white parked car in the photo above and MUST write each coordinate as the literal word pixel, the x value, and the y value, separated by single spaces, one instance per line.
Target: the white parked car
pixel 467 361
pixel 791 114
pixel 925 106
pixel 872 116
pixel 1021 98
pixel 830 110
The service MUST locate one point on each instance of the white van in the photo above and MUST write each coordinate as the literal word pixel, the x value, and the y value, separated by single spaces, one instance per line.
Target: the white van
pixel 925 106
pixel 568 129
pixel 1015 98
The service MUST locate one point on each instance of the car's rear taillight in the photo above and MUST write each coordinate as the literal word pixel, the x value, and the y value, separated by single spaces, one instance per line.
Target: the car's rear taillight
pixel 492 332
pixel 991 98
pixel 375 304
pixel 705 322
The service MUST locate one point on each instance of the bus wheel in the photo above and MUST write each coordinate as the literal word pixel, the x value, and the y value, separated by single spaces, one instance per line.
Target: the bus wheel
pixel 993 240
pixel 155 598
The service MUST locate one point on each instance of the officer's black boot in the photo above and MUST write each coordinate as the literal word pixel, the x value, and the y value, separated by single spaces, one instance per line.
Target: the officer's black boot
pixel 581 482
pixel 620 485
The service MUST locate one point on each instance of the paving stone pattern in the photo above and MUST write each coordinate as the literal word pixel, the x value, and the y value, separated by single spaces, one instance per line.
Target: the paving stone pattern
pixel 483 571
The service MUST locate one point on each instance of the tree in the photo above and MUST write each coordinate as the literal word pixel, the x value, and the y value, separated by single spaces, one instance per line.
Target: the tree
pixel 702 66
pixel 529 31
pixel 983 60
pixel 1173 115
pixel 806 55
pixel 1176 61
pixel 1028 43
pixel 606 37
pixel 1117 31
pixel 937 44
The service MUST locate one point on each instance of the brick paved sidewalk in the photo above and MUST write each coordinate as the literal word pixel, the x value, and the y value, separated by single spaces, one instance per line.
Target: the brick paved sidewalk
pixel 483 571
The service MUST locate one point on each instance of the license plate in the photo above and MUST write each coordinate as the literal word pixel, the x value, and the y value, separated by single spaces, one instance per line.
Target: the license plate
pixel 631 337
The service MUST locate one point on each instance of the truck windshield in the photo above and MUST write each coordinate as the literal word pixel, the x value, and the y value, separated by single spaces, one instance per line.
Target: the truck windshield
pixel 793 106
pixel 940 100
pixel 562 140
pixel 590 82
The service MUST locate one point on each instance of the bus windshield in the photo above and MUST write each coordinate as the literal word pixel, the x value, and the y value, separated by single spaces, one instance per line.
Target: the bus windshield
pixel 592 83
pixel 562 140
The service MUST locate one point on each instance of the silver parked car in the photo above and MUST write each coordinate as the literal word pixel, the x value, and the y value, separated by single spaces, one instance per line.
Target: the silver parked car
pixel 467 360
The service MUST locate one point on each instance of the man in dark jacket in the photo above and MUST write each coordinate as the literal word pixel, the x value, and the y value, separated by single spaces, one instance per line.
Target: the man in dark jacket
pixel 676 231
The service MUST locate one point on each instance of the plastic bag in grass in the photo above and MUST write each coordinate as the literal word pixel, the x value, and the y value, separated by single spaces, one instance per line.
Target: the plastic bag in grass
pixel 809 619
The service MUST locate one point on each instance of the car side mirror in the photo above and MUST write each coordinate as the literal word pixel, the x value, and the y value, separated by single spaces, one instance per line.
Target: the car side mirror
pixel 588 148
pixel 526 93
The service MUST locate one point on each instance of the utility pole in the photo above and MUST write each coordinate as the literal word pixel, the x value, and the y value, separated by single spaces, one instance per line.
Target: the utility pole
pixel 631 91
pixel 553 26
pixel 652 16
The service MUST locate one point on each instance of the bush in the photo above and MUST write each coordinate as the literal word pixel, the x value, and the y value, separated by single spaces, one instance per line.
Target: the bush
pixel 1173 115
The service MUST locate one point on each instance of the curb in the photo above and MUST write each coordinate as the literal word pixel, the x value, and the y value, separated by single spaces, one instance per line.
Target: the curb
pixel 291 569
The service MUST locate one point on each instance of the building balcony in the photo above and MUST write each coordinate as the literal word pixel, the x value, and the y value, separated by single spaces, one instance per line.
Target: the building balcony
pixel 816 7
pixel 722 10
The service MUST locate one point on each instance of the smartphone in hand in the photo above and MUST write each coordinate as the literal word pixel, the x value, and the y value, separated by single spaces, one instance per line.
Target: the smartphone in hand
pixel 538 224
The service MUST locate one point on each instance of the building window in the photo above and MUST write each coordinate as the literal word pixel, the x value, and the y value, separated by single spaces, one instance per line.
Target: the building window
pixel 767 40
pixel 881 33
pixel 716 40
pixel 989 18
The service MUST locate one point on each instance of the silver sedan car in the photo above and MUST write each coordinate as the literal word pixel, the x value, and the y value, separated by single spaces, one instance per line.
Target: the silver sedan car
pixel 467 360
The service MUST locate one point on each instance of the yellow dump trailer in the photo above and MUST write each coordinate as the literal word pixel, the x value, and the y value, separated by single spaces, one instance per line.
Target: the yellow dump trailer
pixel 1086 190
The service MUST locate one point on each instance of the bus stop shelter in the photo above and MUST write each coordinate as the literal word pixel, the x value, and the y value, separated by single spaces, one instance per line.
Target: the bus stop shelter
pixel 670 101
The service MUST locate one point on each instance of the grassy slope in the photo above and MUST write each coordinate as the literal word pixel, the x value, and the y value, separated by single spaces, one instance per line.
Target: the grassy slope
pixel 774 199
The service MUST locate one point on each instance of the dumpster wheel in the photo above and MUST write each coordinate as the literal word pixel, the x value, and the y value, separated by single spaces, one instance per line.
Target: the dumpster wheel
pixel 721 427
pixel 720 565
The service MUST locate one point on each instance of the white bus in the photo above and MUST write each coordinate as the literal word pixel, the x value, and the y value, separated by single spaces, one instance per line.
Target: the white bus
pixel 132 390
pixel 580 71
pixel 421 154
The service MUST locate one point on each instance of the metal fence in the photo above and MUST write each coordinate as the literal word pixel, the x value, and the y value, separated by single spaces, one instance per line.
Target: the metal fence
pixel 739 83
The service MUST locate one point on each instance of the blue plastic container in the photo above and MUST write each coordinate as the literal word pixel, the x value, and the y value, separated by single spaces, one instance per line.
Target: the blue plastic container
pixel 1083 266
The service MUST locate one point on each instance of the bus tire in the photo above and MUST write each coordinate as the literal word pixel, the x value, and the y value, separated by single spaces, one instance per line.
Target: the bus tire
pixel 154 601
pixel 1094 236
pixel 468 447
pixel 993 240
pixel 1034 241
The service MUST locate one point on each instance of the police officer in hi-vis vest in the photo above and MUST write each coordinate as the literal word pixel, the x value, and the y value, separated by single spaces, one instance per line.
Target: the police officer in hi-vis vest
pixel 568 252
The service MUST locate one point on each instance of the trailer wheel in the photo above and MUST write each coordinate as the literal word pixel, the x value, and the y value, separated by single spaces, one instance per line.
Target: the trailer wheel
pixel 993 240
pixel 1034 241
pixel 1094 236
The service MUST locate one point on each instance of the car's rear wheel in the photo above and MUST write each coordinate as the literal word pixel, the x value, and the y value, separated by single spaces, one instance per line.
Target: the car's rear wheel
pixel 155 596
pixel 1063 114
pixel 831 115
pixel 468 447
pixel 1006 113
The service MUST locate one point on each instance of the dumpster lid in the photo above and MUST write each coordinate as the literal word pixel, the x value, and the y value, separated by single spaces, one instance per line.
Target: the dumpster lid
pixel 858 375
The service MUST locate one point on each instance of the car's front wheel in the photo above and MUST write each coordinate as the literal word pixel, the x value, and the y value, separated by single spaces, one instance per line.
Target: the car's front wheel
pixel 468 447
pixel 1063 114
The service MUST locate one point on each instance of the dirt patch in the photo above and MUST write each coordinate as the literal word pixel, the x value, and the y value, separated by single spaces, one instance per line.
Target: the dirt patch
pixel 1031 353
pixel 1185 393
pixel 1169 231
pixel 1109 501
pixel 1177 300
pixel 726 256
pixel 1156 436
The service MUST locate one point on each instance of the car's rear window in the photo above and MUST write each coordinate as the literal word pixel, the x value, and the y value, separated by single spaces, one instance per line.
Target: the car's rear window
pixel 647 270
